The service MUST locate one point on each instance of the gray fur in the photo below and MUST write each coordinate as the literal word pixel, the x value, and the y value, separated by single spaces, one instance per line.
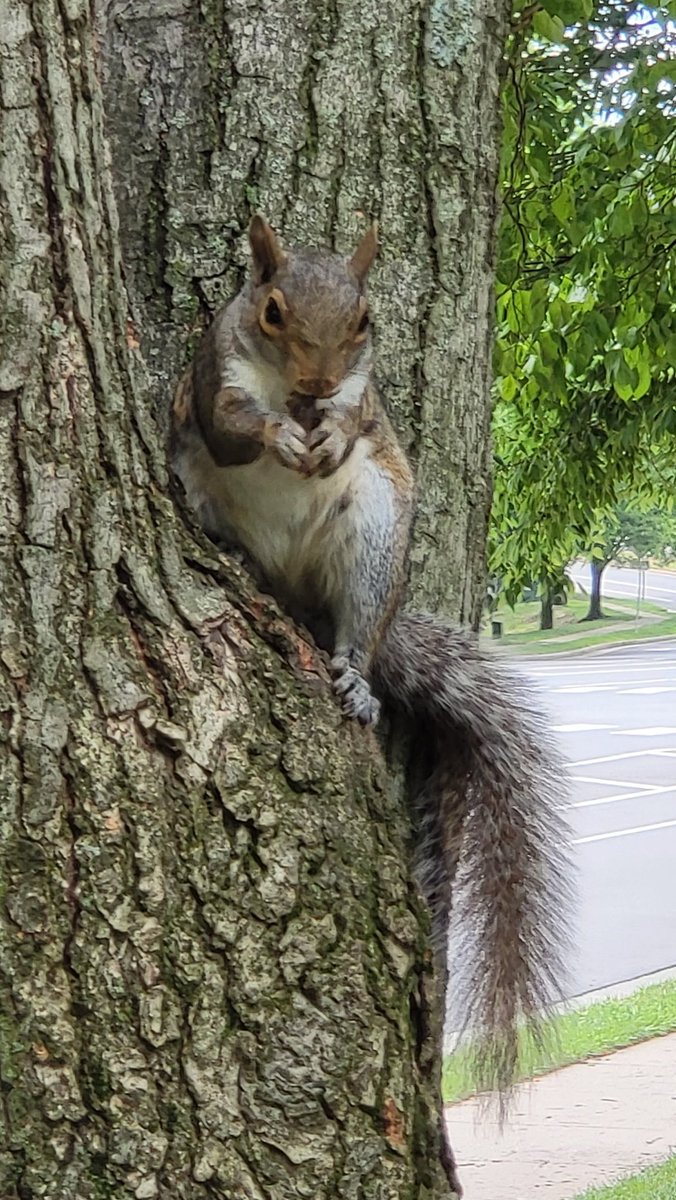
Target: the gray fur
pixel 489 819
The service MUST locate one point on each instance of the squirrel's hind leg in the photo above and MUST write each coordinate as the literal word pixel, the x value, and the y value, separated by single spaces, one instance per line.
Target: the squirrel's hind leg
pixel 368 540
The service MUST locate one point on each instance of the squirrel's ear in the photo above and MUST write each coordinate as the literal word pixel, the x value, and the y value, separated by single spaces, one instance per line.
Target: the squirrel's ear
pixel 268 255
pixel 363 257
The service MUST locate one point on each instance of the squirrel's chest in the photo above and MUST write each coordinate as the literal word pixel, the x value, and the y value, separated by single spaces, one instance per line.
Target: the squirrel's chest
pixel 284 521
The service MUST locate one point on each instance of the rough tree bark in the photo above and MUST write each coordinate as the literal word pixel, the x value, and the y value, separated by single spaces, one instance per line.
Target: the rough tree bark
pixel 322 112
pixel 212 958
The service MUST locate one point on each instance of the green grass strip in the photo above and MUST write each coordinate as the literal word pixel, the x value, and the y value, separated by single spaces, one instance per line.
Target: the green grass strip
pixel 534 645
pixel 523 621
pixel 522 632
pixel 576 1036
pixel 658 1183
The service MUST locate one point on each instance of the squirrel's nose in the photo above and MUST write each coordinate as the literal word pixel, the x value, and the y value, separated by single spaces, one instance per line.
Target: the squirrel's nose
pixel 319 387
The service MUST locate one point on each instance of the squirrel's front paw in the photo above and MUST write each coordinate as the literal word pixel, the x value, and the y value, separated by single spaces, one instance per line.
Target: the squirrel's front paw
pixel 356 698
pixel 285 438
pixel 327 449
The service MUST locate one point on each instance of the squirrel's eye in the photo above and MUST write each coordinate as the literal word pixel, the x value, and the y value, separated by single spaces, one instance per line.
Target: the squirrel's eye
pixel 363 324
pixel 272 313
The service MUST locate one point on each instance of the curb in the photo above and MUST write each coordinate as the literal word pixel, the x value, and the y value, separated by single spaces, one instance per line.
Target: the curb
pixel 612 991
pixel 599 649
pixel 619 990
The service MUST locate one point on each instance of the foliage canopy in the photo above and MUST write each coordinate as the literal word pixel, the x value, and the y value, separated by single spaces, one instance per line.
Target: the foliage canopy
pixel 586 339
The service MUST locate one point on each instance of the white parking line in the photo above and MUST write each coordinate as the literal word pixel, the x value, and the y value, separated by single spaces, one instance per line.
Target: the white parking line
pixel 584 689
pixel 595 679
pixel 629 591
pixel 579 728
pixel 650 731
pixel 646 688
pixel 630 783
pixel 618 833
pixel 652 592
pixel 647 793
pixel 597 669
pixel 603 758
pixel 629 588
pixel 645 691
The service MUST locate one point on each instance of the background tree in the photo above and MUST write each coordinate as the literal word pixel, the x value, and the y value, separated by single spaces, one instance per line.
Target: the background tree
pixel 212 958
pixel 645 533
pixel 586 344
pixel 609 541
pixel 553 590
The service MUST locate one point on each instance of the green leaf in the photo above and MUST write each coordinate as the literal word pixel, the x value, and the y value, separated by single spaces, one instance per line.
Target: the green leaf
pixel 620 223
pixel 570 11
pixel 625 379
pixel 560 312
pixel 539 164
pixel 507 387
pixel 644 379
pixel 549 348
pixel 548 26
pixel 563 204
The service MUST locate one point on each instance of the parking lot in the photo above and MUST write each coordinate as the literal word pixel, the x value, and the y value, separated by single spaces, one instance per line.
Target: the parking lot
pixel 615 714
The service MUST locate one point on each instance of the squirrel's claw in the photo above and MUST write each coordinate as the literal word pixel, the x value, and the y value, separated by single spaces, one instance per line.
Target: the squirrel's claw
pixel 327 450
pixel 286 439
pixel 356 698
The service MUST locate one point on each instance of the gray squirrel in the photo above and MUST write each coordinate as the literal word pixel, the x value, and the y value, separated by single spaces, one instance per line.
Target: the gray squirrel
pixel 285 451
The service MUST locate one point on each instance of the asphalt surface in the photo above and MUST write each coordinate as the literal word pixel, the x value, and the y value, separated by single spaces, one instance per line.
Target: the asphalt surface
pixel 614 712
pixel 622 583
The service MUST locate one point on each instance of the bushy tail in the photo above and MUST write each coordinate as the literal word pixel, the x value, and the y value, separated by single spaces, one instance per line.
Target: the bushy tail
pixel 488 787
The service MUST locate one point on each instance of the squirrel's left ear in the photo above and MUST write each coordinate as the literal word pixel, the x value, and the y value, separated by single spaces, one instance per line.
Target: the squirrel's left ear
pixel 363 257
pixel 268 255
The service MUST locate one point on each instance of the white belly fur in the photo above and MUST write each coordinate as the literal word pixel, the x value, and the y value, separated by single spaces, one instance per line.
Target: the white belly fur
pixel 281 519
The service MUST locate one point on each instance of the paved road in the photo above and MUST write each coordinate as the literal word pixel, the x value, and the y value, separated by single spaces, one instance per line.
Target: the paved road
pixel 622 582
pixel 615 713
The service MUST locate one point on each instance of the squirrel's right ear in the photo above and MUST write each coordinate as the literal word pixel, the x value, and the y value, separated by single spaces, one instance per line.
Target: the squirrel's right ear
pixel 362 259
pixel 268 255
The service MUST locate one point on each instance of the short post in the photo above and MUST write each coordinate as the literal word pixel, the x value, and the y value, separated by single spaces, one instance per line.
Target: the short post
pixel 641 567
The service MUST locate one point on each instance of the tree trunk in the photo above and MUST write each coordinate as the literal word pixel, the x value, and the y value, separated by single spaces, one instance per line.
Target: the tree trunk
pixel 594 613
pixel 321 113
pixel 212 960
pixel 547 609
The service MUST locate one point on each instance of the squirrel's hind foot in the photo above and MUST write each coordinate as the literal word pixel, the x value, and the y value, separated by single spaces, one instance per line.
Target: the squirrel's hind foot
pixel 356 698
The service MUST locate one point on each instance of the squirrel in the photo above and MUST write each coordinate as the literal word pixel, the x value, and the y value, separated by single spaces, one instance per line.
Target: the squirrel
pixel 285 452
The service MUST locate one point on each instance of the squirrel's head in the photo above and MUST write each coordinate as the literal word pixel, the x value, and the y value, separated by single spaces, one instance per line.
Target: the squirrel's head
pixel 310 308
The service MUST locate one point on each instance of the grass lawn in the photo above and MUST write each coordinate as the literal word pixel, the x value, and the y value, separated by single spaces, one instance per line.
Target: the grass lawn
pixel 529 644
pixel 586 1033
pixel 525 617
pixel 658 1183
pixel 521 625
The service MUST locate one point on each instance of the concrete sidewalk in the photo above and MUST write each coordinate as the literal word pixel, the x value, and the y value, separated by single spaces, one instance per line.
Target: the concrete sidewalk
pixel 583 1126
